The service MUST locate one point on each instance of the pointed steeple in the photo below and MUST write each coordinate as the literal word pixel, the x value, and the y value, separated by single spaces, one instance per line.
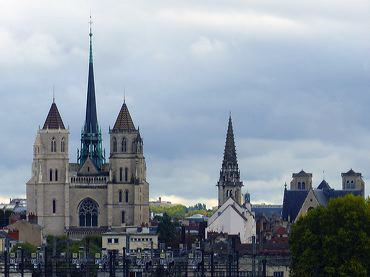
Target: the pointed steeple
pixel 124 121
pixel 91 120
pixel 91 138
pixel 53 120
pixel 230 152
pixel 229 174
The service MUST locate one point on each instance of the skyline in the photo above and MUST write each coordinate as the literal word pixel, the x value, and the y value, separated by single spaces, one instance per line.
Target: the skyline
pixel 295 81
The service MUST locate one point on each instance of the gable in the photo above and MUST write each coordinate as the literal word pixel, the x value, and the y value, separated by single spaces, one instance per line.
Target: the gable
pixel 311 201
pixel 88 168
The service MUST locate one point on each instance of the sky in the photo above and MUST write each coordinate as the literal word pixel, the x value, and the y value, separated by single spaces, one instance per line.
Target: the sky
pixel 295 76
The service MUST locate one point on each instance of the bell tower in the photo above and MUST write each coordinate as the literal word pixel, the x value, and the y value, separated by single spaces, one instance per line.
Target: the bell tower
pixel 46 188
pixel 130 190
pixel 229 184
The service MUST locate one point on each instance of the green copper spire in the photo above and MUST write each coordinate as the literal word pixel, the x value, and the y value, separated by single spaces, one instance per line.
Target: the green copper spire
pixel 91 138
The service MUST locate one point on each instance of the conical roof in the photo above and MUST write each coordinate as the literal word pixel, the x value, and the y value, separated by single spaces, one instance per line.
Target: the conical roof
pixel 53 120
pixel 124 121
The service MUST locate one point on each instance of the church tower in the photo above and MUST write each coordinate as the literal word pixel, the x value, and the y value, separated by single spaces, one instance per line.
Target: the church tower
pixel 229 184
pixel 91 138
pixel 130 190
pixel 46 188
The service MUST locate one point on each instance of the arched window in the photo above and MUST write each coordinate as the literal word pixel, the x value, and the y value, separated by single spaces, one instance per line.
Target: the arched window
pixel 124 145
pixel 303 185
pixel 120 174
pixel 126 174
pixel 54 206
pixel 114 144
pixel 50 175
pixel 227 193
pixel 53 145
pixel 120 196
pixel 88 213
pixel 123 217
pixel 62 145
pixel 56 174
pixel 299 185
pixel 231 193
pixel 126 196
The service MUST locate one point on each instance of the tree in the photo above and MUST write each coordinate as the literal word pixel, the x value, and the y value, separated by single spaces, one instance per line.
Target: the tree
pixel 333 240
pixel 166 229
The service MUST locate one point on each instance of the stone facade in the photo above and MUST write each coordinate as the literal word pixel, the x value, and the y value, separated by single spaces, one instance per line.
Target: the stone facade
pixel 90 194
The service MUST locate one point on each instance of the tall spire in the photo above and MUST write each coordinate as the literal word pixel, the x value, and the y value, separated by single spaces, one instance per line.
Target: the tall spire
pixel 91 139
pixel 91 120
pixel 229 174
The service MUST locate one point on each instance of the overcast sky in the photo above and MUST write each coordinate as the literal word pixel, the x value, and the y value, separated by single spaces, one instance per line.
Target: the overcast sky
pixel 294 74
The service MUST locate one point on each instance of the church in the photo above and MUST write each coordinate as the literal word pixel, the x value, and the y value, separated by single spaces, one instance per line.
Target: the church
pixel 95 194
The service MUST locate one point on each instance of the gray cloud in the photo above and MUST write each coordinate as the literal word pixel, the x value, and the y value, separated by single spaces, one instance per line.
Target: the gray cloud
pixel 294 74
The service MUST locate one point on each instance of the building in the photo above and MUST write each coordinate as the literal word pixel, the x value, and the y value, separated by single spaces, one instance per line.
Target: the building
pixel 92 194
pixel 132 239
pixel 301 197
pixel 232 217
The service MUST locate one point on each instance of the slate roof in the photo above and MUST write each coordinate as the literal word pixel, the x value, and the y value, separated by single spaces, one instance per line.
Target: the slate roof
pixel 292 203
pixel 324 185
pixel 302 173
pixel 53 120
pixel 351 172
pixel 124 121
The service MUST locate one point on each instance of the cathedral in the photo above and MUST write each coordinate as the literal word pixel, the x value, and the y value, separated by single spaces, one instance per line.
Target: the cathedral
pixel 92 195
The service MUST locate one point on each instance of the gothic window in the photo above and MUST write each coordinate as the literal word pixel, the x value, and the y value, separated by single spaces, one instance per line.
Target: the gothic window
pixel 299 185
pixel 88 213
pixel 303 185
pixel 124 146
pixel 126 174
pixel 114 144
pixel 123 217
pixel 50 175
pixel 227 193
pixel 231 193
pixel 62 145
pixel 54 206
pixel 120 196
pixel 120 174
pixel 53 145
pixel 126 196
pixel 56 174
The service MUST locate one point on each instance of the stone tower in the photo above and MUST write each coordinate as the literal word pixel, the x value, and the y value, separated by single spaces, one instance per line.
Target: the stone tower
pixel 46 188
pixel 352 180
pixel 229 184
pixel 130 190
pixel 301 181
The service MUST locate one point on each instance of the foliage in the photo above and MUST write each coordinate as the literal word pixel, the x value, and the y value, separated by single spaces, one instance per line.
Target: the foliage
pixel 333 240
pixel 166 229
pixel 64 244
pixel 179 211
pixel 27 247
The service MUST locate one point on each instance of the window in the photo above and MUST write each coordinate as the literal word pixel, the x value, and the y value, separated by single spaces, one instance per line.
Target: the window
pixel 53 145
pixel 120 196
pixel 115 240
pixel 126 196
pixel 278 274
pixel 50 175
pixel 56 174
pixel 54 206
pixel 62 145
pixel 124 145
pixel 303 185
pixel 114 144
pixel 120 174
pixel 227 193
pixel 109 240
pixel 123 217
pixel 88 213
pixel 299 185
pixel 126 174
